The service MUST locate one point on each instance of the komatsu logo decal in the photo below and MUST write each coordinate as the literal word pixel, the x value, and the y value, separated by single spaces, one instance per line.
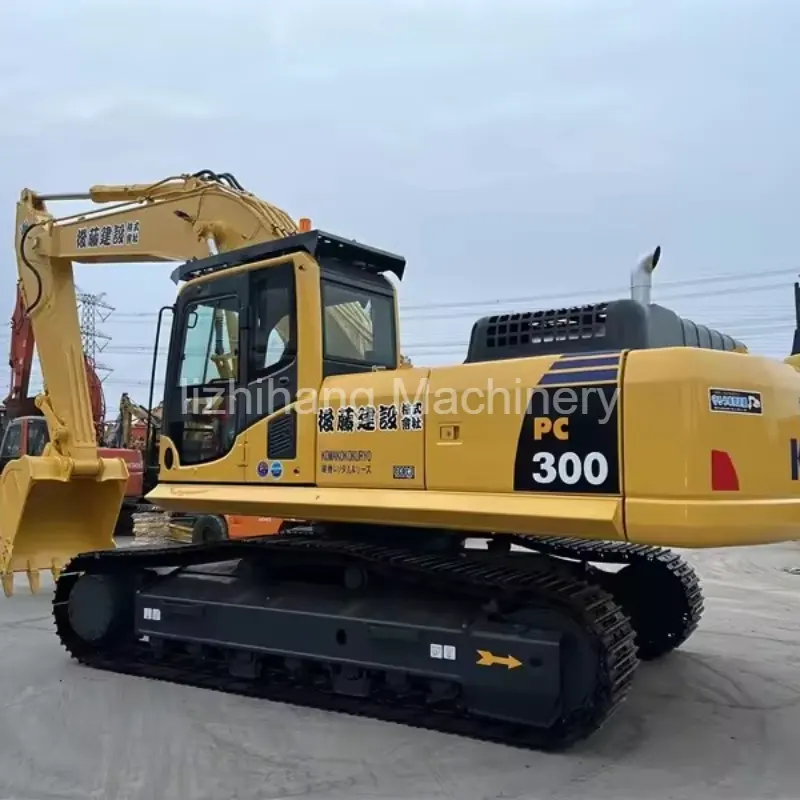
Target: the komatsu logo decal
pixel 734 401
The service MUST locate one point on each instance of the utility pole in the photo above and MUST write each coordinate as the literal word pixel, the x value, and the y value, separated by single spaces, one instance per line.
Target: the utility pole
pixel 94 311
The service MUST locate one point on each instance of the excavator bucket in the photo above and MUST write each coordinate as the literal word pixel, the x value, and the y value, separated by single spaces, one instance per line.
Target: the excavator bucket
pixel 47 516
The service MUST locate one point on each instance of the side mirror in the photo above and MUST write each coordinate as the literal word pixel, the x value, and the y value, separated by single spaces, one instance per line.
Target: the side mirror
pixel 191 321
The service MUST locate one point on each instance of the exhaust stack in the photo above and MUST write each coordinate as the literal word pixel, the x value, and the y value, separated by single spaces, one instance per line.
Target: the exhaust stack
pixel 642 278
pixel 796 342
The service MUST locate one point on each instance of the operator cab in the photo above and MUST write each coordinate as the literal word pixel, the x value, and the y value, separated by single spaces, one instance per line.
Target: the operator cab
pixel 23 436
pixel 295 329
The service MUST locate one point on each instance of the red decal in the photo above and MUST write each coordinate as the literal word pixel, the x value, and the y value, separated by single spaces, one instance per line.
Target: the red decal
pixel 723 473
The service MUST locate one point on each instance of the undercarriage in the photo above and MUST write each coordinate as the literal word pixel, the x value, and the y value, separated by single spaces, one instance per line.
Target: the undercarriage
pixel 532 646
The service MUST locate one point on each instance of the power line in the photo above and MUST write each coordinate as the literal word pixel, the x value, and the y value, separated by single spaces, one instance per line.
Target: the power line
pixel 746 325
pixel 765 330
pixel 610 291
pixel 406 318
pixel 751 326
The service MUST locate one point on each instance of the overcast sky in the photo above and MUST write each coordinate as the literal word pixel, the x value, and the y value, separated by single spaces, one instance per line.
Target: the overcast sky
pixel 519 154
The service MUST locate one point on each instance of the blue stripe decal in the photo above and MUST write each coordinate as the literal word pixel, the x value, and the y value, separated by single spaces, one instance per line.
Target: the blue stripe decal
pixel 580 376
pixel 584 363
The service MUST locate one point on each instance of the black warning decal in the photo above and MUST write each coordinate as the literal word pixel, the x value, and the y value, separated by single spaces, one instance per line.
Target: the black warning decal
pixel 569 441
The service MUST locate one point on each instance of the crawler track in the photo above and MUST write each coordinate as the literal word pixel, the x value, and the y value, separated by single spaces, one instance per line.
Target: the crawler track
pixel 657 588
pixel 535 582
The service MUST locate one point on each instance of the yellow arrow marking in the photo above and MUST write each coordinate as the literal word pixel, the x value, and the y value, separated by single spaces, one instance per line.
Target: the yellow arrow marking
pixel 488 659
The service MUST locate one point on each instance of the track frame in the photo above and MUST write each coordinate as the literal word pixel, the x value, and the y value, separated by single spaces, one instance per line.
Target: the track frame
pixel 520 592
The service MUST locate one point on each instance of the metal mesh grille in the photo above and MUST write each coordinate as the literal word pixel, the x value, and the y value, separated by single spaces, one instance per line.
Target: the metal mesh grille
pixel 554 325
pixel 281 438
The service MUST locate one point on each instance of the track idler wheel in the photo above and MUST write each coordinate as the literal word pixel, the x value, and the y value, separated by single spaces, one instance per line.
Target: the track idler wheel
pixel 99 609
pixel 663 600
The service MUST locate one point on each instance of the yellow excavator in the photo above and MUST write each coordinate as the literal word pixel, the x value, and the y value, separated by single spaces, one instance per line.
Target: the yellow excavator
pixel 571 440
pixel 123 434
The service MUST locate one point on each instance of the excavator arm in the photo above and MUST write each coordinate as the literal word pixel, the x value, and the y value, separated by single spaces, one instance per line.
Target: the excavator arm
pixel 128 411
pixel 132 409
pixel 96 397
pixel 19 403
pixel 176 219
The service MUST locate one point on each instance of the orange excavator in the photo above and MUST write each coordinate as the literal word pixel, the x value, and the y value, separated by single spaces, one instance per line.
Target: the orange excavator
pixel 24 429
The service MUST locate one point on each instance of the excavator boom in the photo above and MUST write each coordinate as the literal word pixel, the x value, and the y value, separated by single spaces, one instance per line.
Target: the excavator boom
pixel 20 360
pixel 181 218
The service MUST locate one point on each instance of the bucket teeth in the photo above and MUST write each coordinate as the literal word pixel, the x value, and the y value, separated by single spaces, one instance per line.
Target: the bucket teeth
pixel 34 580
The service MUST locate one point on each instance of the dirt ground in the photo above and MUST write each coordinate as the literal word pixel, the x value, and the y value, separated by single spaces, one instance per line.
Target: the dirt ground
pixel 718 718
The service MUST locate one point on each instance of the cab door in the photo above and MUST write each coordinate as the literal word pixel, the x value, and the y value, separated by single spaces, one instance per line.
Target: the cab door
pixel 272 374
pixel 201 397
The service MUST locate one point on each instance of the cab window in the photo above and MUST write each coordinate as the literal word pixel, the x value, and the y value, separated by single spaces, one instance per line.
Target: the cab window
pixel 208 371
pixel 358 325
pixel 12 442
pixel 211 346
pixel 274 339
pixel 37 436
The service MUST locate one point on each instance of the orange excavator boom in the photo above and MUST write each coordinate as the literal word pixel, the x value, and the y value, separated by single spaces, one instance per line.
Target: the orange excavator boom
pixel 19 403
pixel 20 361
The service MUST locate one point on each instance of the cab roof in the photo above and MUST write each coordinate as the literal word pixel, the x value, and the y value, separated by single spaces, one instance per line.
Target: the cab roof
pixel 322 246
